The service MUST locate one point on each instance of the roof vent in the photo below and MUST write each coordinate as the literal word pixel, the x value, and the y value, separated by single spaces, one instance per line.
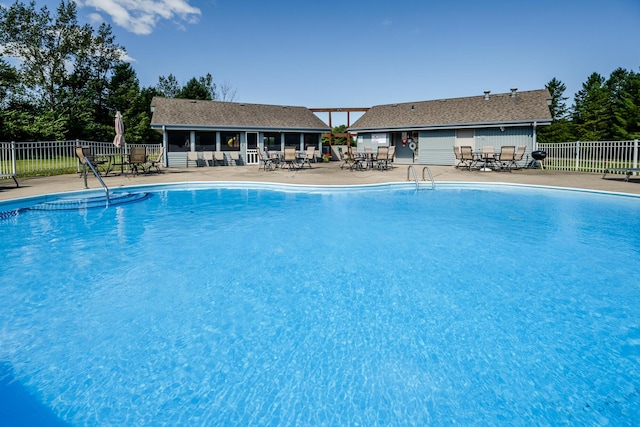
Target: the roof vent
pixel 486 95
pixel 513 92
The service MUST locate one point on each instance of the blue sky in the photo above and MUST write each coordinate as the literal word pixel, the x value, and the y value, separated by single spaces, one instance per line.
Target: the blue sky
pixel 359 53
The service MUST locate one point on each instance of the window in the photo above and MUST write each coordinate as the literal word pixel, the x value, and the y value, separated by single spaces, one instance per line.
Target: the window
pixel 205 141
pixel 271 141
pixel 311 140
pixel 230 141
pixel 178 140
pixel 292 140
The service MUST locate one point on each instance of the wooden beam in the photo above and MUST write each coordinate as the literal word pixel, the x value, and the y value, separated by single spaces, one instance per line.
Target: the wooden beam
pixel 339 110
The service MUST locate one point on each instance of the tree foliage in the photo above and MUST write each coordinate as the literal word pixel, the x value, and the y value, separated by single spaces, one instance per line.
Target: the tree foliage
pixel 201 88
pixel 62 80
pixel 603 110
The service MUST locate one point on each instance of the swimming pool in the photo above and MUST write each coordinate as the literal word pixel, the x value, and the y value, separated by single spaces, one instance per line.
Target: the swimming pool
pixel 280 305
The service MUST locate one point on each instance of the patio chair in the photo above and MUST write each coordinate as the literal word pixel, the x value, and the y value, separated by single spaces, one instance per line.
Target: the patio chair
pixel 345 158
pixel 382 156
pixel 459 162
pixel 466 157
pixel 290 158
pixel 157 162
pixel 309 156
pixel 84 154
pixel 192 156
pixel 266 162
pixel 390 155
pixel 518 156
pixel 207 158
pixel 137 159
pixel 505 157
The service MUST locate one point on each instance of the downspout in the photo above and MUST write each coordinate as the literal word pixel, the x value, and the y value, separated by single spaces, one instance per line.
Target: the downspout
pixel 535 136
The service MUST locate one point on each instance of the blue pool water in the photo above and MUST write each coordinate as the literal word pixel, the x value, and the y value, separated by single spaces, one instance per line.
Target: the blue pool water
pixel 241 306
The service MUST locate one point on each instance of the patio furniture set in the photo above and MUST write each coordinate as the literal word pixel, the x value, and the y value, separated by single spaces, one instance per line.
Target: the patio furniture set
pixel 290 158
pixel 135 162
pixel 487 159
pixel 382 159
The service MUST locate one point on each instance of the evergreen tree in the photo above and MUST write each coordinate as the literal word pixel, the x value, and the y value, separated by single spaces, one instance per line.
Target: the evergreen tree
pixel 591 111
pixel 195 89
pixel 623 105
pixel 561 128
pixel 168 86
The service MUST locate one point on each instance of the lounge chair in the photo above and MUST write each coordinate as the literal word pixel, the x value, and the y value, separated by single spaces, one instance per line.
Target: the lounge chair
pixel 466 156
pixel 207 158
pixel 192 156
pixel 218 157
pixel 234 158
pixel 627 171
pixel 505 157
pixel 266 162
pixel 158 161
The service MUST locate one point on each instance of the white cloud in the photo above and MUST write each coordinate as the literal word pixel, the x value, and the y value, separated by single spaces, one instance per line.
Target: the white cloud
pixel 96 18
pixel 141 16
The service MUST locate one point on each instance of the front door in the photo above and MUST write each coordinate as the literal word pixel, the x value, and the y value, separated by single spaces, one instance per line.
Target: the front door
pixel 252 148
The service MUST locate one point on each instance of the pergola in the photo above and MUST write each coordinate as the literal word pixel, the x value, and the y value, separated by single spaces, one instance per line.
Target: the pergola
pixel 347 110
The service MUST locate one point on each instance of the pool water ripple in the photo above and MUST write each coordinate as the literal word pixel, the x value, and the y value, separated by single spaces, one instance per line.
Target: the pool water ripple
pixel 209 307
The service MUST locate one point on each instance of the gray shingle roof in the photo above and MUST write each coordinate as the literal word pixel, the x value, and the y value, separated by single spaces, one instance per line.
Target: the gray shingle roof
pixel 187 113
pixel 526 106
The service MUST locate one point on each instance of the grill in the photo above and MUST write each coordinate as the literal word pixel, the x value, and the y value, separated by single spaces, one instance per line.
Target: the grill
pixel 539 156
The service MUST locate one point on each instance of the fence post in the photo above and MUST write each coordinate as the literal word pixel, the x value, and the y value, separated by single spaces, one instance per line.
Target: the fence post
pixel 635 153
pixel 577 154
pixel 13 159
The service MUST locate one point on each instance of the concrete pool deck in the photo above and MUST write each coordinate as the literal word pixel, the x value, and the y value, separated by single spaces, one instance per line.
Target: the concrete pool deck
pixel 320 174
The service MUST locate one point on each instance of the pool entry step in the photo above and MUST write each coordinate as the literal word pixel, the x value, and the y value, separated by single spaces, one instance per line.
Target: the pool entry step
pixel 71 203
pixel 65 203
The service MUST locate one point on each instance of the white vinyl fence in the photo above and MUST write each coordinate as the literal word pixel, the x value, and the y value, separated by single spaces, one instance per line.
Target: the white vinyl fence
pixel 58 157
pixel 591 156
pixel 8 161
pixel 55 157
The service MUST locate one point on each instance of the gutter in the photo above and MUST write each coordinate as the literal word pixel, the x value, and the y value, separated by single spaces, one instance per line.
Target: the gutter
pixel 534 122
pixel 235 128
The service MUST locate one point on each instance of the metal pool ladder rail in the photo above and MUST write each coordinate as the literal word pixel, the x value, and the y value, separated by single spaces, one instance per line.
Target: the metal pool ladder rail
pixel 95 172
pixel 412 170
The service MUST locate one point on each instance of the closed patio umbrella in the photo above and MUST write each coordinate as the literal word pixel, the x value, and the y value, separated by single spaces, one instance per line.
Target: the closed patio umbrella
pixel 118 141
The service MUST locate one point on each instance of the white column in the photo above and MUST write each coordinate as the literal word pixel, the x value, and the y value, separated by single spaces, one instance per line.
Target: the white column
pixel 165 146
